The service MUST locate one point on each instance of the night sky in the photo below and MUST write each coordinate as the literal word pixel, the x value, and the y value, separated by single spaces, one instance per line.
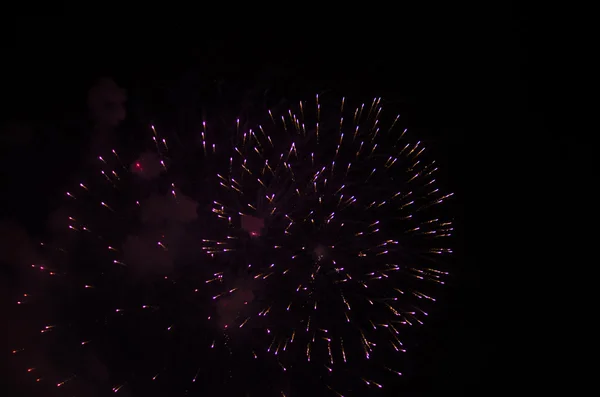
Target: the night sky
pixel 433 75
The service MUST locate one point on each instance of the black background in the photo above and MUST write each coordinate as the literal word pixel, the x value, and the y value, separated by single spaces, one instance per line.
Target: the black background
pixel 457 76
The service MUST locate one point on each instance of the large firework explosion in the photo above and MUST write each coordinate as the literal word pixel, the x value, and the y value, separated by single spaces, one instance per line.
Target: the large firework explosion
pixel 318 254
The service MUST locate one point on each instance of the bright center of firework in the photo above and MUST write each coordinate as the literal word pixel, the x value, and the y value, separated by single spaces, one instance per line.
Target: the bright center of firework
pixel 252 225
pixel 320 252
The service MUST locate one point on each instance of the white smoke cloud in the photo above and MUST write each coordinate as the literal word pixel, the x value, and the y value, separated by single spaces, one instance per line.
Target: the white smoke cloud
pixel 148 166
pixel 162 238
pixel 16 246
pixel 229 308
pixel 173 208
pixel 106 101
pixel 253 225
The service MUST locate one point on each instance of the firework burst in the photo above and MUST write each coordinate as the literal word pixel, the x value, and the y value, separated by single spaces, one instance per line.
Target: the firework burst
pixel 105 291
pixel 322 243
pixel 333 218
